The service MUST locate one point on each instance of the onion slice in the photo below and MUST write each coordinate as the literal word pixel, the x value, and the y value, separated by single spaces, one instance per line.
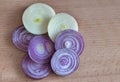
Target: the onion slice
pixel 35 70
pixel 70 39
pixel 40 49
pixel 64 62
pixel 60 22
pixel 21 38
pixel 36 17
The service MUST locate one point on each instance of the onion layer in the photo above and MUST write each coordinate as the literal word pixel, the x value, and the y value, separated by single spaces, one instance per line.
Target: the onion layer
pixel 41 49
pixel 64 62
pixel 35 70
pixel 21 38
pixel 70 39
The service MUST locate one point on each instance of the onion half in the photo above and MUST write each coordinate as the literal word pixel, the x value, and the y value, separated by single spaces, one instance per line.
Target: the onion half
pixel 21 38
pixel 60 22
pixel 40 49
pixel 64 62
pixel 35 70
pixel 36 18
pixel 70 39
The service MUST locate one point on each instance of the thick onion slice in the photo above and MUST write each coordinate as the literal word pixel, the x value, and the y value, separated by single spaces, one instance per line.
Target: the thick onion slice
pixel 60 22
pixel 70 39
pixel 64 62
pixel 36 17
pixel 35 70
pixel 40 49
pixel 21 38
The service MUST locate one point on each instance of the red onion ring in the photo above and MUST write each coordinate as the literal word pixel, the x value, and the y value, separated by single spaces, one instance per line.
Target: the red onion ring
pixel 21 38
pixel 40 49
pixel 70 39
pixel 35 70
pixel 64 62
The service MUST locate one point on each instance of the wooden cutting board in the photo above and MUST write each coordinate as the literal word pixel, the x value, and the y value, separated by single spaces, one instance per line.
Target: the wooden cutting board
pixel 99 23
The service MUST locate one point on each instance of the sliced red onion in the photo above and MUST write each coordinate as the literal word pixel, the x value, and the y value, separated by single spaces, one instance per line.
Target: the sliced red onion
pixel 35 70
pixel 64 62
pixel 40 49
pixel 70 39
pixel 21 38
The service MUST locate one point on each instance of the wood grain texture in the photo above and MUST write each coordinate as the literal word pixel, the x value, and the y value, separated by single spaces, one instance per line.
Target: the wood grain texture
pixel 99 23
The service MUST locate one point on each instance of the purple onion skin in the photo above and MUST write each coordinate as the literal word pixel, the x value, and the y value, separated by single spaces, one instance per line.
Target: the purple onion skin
pixel 41 49
pixel 70 39
pixel 64 62
pixel 21 38
pixel 35 70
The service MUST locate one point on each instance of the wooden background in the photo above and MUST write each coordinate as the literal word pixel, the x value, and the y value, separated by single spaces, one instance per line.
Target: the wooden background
pixel 99 23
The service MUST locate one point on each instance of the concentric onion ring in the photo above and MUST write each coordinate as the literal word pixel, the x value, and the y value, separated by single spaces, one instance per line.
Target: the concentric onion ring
pixel 70 39
pixel 35 70
pixel 21 38
pixel 64 62
pixel 41 49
